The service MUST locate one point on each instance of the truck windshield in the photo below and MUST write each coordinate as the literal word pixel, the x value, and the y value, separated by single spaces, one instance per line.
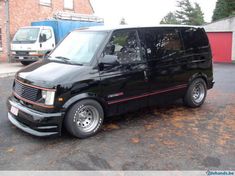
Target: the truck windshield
pixel 79 47
pixel 26 35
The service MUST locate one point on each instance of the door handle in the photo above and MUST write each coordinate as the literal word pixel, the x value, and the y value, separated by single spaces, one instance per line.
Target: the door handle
pixel 145 76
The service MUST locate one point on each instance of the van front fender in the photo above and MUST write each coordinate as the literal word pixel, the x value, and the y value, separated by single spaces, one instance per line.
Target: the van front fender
pixel 82 96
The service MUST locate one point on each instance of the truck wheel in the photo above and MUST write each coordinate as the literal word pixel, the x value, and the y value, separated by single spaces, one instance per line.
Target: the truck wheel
pixel 196 93
pixel 84 119
pixel 26 62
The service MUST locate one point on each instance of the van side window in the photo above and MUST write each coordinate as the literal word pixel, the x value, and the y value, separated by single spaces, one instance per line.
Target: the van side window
pixel 47 32
pixel 194 38
pixel 160 43
pixel 124 45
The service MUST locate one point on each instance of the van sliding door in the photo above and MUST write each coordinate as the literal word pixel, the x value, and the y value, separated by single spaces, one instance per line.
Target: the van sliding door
pixel 163 49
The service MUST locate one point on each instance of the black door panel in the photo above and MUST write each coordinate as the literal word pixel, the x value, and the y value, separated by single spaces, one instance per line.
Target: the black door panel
pixel 163 50
pixel 123 83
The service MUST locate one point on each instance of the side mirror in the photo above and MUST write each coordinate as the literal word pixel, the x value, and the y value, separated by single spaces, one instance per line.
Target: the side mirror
pixel 108 61
pixel 46 54
pixel 42 38
pixel 110 49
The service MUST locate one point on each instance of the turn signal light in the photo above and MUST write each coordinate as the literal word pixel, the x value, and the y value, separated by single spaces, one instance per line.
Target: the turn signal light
pixel 60 99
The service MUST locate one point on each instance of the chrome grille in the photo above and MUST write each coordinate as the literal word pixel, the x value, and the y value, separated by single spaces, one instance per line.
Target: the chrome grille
pixel 22 53
pixel 26 92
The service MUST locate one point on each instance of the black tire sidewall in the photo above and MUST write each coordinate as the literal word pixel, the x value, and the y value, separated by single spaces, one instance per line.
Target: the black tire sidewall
pixel 71 125
pixel 25 63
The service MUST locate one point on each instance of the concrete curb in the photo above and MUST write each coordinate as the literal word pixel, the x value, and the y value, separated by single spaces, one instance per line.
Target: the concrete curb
pixel 9 69
pixel 4 75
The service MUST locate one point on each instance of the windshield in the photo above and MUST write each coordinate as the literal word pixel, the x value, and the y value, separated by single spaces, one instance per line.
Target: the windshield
pixel 78 47
pixel 26 35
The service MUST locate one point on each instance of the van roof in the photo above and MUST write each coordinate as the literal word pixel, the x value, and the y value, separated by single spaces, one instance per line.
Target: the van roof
pixel 26 27
pixel 111 28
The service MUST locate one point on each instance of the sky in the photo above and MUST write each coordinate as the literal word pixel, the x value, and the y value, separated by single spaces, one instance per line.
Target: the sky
pixel 143 12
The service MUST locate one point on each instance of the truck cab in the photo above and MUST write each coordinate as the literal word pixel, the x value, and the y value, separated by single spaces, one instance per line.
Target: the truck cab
pixel 31 43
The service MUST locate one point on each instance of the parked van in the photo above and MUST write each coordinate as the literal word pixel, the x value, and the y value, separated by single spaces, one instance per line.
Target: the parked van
pixel 99 72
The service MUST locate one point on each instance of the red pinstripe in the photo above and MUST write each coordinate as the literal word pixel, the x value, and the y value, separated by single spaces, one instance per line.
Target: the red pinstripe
pixel 148 94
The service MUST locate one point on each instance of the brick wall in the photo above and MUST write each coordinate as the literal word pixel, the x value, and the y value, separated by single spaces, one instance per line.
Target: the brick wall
pixel 2 26
pixel 23 12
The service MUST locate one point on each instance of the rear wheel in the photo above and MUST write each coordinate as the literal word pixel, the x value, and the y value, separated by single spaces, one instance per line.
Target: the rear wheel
pixel 26 62
pixel 196 93
pixel 84 119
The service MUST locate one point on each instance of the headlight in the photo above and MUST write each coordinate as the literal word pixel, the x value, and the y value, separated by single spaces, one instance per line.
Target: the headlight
pixel 33 53
pixel 48 97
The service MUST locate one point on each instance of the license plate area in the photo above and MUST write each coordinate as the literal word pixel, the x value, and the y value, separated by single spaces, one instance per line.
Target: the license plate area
pixel 14 110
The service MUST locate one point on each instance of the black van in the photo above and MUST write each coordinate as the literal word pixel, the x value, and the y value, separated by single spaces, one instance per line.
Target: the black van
pixel 99 72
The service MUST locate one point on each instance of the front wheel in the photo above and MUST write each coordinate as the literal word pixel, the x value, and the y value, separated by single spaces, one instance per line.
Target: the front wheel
pixel 196 93
pixel 84 119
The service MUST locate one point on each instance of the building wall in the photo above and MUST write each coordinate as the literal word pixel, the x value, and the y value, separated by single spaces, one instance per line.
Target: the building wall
pixel 2 26
pixel 224 25
pixel 23 12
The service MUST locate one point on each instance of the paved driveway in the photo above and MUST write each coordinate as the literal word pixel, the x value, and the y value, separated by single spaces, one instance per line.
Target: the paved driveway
pixel 160 138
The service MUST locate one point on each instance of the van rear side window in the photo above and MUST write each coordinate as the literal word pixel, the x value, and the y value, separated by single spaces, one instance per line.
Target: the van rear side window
pixel 160 43
pixel 194 38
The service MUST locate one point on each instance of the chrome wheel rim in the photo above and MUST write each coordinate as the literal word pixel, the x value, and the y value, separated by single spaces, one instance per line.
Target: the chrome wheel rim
pixel 198 93
pixel 86 118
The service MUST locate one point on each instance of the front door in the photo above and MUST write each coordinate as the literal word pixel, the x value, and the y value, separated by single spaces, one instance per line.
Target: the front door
pixel 49 43
pixel 124 84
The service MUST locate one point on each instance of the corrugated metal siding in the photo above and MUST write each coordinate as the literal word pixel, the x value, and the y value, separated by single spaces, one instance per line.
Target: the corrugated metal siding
pixel 63 27
pixel 221 45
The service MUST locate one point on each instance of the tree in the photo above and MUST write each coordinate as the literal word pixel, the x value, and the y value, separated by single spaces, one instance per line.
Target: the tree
pixel 198 16
pixel 170 18
pixel 123 21
pixel 223 9
pixel 231 5
pixel 186 14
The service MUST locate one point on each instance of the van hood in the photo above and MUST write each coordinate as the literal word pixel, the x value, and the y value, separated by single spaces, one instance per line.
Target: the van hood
pixel 49 74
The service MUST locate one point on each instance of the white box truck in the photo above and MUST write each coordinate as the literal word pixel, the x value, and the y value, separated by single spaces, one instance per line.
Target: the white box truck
pixel 31 43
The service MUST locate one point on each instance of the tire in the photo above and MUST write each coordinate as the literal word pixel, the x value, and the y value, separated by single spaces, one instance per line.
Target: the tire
pixel 84 119
pixel 26 62
pixel 196 93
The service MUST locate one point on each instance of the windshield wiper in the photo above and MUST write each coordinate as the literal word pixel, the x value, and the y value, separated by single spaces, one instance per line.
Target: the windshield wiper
pixel 62 58
pixel 67 60
pixel 75 63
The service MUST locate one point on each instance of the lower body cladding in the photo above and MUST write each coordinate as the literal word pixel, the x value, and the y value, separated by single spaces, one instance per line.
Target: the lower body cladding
pixel 34 122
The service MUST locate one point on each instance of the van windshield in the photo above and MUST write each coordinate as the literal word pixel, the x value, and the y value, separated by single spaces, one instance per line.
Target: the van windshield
pixel 26 35
pixel 79 47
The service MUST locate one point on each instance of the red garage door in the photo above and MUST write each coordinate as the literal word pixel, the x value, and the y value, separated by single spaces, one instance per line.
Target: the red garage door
pixel 221 45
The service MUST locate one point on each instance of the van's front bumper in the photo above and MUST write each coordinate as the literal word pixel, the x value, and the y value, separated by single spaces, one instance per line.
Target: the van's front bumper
pixel 26 58
pixel 35 122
